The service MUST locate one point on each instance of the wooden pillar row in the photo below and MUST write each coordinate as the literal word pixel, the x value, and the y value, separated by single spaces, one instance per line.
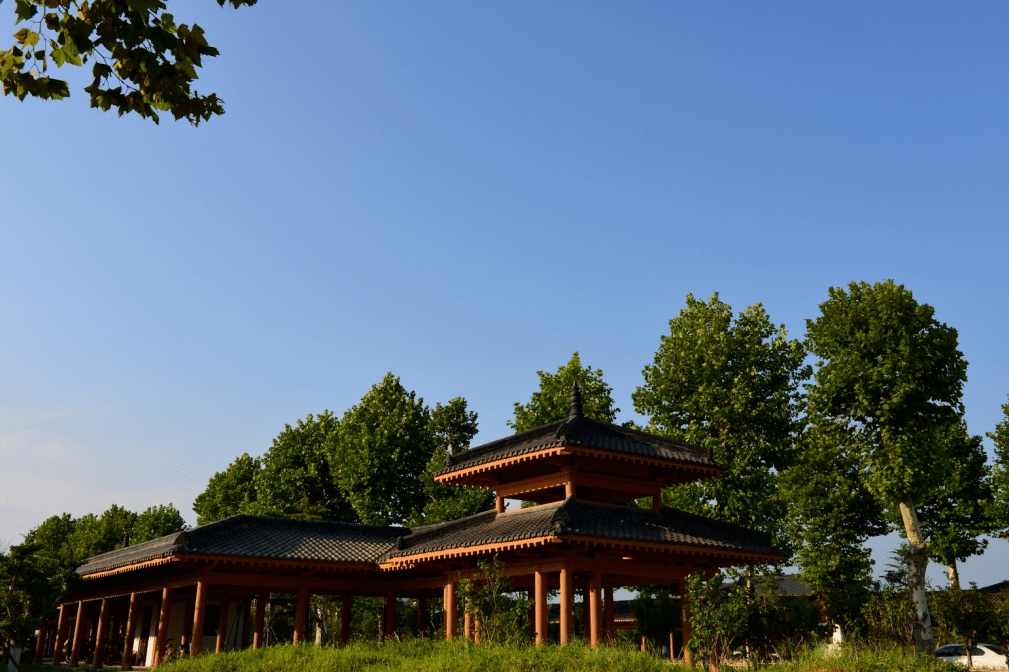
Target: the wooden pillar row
pixel 40 645
pixel 61 634
pixel 165 616
pixel 103 629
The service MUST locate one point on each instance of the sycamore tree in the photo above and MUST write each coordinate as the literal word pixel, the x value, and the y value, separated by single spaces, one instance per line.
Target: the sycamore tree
pixel 830 516
pixel 552 401
pixel 730 384
pixel 379 452
pixel 892 375
pixel 142 59
pixel 453 427
pixel 999 509
pixel 229 492
pixel 955 514
pixel 157 521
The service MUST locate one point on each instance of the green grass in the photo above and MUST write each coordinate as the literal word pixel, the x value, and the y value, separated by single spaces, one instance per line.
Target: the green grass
pixel 462 656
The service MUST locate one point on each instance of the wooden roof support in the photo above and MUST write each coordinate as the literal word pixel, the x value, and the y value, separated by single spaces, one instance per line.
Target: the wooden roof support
pixel 189 606
pixel 346 605
pixel 390 613
pixel 451 602
pixel 222 625
pixel 131 629
pixel 103 629
pixel 541 607
pixel 594 594
pixel 567 604
pixel 163 622
pixel 199 614
pixel 262 597
pixel 75 653
pixel 299 613
pixel 609 614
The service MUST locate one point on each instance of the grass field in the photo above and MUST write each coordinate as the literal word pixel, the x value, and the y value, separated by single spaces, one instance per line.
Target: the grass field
pixel 428 656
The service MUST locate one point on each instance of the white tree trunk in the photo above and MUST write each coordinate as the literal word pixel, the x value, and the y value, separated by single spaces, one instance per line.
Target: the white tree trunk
pixel 952 574
pixel 924 641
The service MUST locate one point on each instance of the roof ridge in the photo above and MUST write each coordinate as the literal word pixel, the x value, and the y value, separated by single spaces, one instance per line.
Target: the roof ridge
pixel 490 447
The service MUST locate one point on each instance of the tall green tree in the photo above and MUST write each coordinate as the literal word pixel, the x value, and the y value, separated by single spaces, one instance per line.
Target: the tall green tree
pixel 955 514
pixel 830 516
pixel 142 60
pixel 999 510
pixel 893 375
pixel 552 401
pixel 156 522
pixel 453 427
pixel 297 479
pixel 731 385
pixel 380 451
pixel 229 492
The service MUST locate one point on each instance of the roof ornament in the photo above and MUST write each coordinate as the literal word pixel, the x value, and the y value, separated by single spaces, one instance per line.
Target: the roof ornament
pixel 576 401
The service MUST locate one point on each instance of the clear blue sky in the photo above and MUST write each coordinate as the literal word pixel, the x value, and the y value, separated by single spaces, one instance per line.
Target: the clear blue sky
pixel 464 193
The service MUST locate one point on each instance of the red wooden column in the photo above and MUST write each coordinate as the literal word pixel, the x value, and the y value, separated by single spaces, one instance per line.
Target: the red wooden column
pixel 451 610
pixel 61 634
pixel 222 626
pixel 40 645
pixel 299 614
pixel 422 615
pixel 199 613
pixel 246 622
pixel 467 621
pixel 103 630
pixel 345 607
pixel 567 603
pixel 594 593
pixel 75 653
pixel 586 620
pixel 163 620
pixel 390 614
pixel 688 655
pixel 131 629
pixel 257 635
pixel 540 605
pixel 610 616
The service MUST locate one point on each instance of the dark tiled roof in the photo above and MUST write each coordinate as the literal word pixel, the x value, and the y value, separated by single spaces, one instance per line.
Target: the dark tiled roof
pixel 583 432
pixel 261 537
pixel 571 517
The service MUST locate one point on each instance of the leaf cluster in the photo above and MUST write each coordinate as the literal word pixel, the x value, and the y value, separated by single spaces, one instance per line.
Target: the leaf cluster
pixel 552 401
pixel 999 510
pixel 142 60
pixel 500 614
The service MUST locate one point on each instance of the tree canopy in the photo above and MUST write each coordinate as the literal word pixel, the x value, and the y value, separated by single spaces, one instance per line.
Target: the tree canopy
pixel 999 513
pixel 143 61
pixel 229 492
pixel 552 401
pixel 731 385
pixel 893 375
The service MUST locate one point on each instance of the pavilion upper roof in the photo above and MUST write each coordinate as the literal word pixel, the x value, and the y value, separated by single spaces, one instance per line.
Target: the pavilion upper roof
pixel 583 432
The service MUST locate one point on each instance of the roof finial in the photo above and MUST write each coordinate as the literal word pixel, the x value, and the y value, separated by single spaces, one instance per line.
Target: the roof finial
pixel 576 401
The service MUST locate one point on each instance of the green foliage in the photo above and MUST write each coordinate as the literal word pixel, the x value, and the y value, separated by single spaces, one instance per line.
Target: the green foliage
pixel 717 617
pixel 502 614
pixel 157 521
pixel 999 510
pixel 296 478
pixel 888 617
pixel 229 492
pixel 552 401
pixel 142 61
pixel 830 516
pixel 956 513
pixel 780 625
pixel 731 386
pixel 453 427
pixel 380 451
pixel 893 374
pixel 967 615
pixel 657 612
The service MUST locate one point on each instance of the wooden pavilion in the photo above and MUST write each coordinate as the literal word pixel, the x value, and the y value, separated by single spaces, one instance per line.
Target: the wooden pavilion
pixel 579 535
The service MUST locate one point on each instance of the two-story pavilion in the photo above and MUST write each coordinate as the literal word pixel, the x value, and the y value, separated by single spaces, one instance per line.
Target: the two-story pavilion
pixel 580 534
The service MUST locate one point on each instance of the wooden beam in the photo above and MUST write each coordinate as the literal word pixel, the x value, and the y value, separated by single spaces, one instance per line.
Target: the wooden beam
pixel 163 622
pixel 199 614
pixel 299 614
pixel 257 637
pixel 540 604
pixel 594 594
pixel 533 484
pixel 61 634
pixel 75 653
pixel 222 625
pixel 131 629
pixel 567 603
pixel 103 629
pixel 345 613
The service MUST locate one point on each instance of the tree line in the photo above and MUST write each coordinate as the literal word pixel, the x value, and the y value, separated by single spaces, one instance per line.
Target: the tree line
pixel 851 432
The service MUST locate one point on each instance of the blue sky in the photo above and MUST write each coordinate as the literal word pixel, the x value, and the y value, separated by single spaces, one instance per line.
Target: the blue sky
pixel 465 193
